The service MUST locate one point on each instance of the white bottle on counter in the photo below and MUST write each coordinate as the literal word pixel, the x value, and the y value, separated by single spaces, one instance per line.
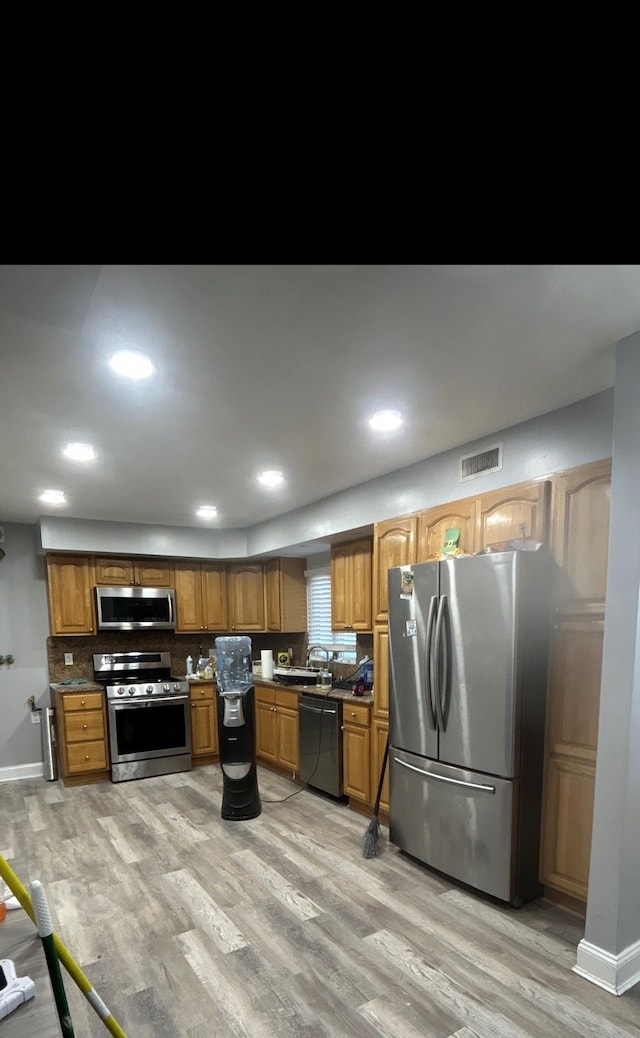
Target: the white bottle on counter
pixel 189 666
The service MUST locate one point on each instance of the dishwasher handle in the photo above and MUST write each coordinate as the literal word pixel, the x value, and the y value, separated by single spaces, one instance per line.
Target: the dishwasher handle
pixel 317 710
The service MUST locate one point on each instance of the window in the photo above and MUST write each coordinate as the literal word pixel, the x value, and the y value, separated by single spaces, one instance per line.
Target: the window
pixel 342 643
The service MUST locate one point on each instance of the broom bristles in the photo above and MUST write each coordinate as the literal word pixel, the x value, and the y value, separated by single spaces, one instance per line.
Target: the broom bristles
pixel 370 839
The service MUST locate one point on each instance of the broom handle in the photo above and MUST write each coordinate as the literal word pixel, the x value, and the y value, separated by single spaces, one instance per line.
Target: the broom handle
pixel 382 771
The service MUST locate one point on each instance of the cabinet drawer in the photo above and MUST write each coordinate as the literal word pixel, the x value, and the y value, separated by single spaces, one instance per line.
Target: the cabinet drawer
pixel 83 701
pixel 356 714
pixel 288 699
pixel 85 725
pixel 199 692
pixel 87 756
pixel 265 695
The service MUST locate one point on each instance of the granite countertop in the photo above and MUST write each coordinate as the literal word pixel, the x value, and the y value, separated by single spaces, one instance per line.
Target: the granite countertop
pixel 312 690
pixel 76 686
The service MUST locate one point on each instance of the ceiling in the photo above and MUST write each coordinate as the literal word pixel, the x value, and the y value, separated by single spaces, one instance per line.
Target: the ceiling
pixel 280 367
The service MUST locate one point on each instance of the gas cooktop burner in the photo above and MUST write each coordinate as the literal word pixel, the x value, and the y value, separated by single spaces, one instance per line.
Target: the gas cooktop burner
pixel 137 675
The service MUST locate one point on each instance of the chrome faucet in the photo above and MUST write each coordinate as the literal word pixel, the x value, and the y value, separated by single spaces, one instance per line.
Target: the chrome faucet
pixel 310 650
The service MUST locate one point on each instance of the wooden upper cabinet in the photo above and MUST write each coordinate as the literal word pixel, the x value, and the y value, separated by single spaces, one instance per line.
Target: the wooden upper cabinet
pixel 351 586
pixel 70 594
pixel 201 597
pixel 394 544
pixel 285 595
pixel 144 572
pixel 245 585
pixel 513 512
pixel 580 536
pixel 434 523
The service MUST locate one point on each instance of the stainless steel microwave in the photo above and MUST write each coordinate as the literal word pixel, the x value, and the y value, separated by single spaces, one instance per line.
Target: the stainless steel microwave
pixel 136 608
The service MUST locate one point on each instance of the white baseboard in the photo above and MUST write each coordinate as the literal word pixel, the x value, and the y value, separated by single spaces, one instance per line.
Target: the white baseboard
pixel 21 771
pixel 614 973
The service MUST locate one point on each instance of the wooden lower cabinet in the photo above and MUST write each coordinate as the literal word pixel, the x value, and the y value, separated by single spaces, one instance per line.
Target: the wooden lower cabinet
pixel 379 735
pixel 356 749
pixel 204 727
pixel 81 734
pixel 277 727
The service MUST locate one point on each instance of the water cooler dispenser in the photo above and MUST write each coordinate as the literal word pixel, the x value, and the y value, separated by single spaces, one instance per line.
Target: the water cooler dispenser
pixel 236 729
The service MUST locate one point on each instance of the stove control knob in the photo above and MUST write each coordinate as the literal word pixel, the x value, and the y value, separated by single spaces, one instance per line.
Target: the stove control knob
pixel 149 689
pixel 177 687
pixel 120 690
pixel 167 688
pixel 132 690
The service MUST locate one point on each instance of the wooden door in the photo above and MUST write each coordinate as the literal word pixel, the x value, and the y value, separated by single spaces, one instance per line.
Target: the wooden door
pixel 246 596
pixel 70 594
pixel 288 753
pixel 113 572
pixel 340 587
pixel 513 512
pixel 394 544
pixel 204 734
pixel 272 595
pixel 434 523
pixel 215 612
pixel 357 767
pixel 381 673
pixel 266 729
pixel 188 597
pixel 359 576
pixel 379 735
pixel 153 573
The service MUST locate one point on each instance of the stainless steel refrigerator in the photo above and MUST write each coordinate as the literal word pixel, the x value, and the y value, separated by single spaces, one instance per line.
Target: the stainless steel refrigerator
pixel 468 644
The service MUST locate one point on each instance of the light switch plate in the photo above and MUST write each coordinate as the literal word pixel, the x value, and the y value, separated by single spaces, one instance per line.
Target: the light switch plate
pixel 35 717
pixel 68 659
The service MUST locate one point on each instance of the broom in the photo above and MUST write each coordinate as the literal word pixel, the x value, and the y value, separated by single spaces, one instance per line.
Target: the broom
pixel 372 835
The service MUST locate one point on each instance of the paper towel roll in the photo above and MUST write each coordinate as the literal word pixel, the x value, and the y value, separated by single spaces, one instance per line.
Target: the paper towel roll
pixel 266 658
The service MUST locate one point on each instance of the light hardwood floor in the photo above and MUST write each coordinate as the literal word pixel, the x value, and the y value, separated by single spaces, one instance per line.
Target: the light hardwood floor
pixel 190 926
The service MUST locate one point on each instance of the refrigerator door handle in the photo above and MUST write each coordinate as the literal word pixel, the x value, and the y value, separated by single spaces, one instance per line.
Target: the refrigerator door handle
pixel 441 663
pixel 429 663
pixel 444 778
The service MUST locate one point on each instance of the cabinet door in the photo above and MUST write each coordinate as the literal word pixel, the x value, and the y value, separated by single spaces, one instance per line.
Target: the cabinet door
pixel 513 512
pixel 215 614
pixel 381 673
pixel 188 597
pixel 246 596
pixel 113 572
pixel 357 764
pixel 272 595
pixel 70 592
pixel 340 587
pixel 394 544
pixel 434 523
pixel 266 730
pixel 151 573
pixel 379 736
pixel 288 754
pixel 580 537
pixel 360 586
pixel 204 733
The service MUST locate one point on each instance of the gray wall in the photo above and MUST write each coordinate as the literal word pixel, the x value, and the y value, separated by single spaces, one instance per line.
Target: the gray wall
pixel 550 443
pixel 24 628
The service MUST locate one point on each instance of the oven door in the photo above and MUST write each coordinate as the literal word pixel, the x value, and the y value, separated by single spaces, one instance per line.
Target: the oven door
pixel 145 729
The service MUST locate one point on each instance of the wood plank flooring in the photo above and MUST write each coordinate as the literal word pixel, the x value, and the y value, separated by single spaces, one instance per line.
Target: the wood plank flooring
pixel 190 926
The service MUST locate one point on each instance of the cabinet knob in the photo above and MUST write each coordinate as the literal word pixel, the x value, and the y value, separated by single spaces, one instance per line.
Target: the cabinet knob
pixel 352 714
pixel 82 702
pixel 85 726
pixel 201 691
pixel 86 756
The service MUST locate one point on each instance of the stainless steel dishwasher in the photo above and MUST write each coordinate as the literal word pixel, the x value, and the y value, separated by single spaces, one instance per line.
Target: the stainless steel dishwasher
pixel 320 720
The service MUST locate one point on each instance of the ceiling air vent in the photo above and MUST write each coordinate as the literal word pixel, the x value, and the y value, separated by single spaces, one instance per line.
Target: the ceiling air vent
pixel 489 460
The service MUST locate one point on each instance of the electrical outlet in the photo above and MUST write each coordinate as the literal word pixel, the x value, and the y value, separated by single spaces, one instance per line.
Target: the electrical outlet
pixel 68 659
pixel 35 717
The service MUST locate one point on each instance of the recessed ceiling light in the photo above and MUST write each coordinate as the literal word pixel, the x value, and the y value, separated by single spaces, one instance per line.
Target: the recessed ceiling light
pixel 271 478
pixel 131 364
pixel 385 421
pixel 207 512
pixel 79 452
pixel 53 497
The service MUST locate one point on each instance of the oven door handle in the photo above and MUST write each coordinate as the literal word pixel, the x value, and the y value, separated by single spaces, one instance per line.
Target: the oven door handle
pixel 128 704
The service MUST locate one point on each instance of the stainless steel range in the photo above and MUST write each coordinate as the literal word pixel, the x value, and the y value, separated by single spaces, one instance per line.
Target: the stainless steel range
pixel 148 712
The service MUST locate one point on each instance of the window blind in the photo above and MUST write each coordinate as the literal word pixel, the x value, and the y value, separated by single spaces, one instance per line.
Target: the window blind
pixel 319 615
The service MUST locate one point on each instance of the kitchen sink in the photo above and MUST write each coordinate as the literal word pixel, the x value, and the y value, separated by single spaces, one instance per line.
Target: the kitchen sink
pixel 296 675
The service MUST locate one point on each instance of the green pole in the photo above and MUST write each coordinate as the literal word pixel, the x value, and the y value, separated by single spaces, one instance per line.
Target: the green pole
pixel 45 929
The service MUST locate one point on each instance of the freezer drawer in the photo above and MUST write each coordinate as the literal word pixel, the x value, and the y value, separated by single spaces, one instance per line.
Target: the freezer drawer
pixel 457 821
